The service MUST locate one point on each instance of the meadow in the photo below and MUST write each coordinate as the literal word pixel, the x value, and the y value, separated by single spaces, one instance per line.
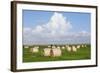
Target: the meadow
pixel 81 54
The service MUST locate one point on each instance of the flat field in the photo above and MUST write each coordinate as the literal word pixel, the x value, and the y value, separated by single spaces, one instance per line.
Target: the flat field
pixel 82 53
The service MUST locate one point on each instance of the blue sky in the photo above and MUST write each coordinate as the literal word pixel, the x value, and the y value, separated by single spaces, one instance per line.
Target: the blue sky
pixel 79 22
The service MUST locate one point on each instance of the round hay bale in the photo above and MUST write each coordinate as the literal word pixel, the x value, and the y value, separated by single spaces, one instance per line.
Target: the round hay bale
pixel 78 46
pixel 35 50
pixel 63 47
pixel 69 49
pixel 57 52
pixel 82 45
pixel 67 46
pixel 49 46
pixel 53 47
pixel 74 49
pixel 58 47
pixel 47 51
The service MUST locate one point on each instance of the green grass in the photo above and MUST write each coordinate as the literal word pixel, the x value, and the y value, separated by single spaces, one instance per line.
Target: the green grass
pixel 81 54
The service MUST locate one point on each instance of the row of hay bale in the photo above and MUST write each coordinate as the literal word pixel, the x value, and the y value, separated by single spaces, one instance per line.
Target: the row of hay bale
pixel 35 49
pixel 55 51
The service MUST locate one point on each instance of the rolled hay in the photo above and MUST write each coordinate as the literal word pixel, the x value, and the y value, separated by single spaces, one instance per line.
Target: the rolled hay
pixel 47 51
pixel 35 49
pixel 68 48
pixel 74 49
pixel 78 46
pixel 63 47
pixel 85 46
pixel 58 47
pixel 82 45
pixel 56 52
pixel 49 46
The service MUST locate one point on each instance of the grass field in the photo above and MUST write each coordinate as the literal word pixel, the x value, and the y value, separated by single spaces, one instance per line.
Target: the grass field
pixel 82 53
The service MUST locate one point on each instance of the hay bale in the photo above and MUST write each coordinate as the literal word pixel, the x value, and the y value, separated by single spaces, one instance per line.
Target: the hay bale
pixel 63 47
pixel 57 52
pixel 49 46
pixel 47 51
pixel 68 48
pixel 35 49
pixel 74 49
pixel 58 47
pixel 78 46
pixel 37 46
pixel 82 45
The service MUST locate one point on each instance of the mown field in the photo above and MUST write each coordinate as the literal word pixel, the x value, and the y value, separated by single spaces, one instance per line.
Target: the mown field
pixel 81 54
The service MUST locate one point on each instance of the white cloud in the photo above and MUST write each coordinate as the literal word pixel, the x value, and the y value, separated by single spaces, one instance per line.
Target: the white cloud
pixel 56 30
pixel 56 26
pixel 38 29
pixel 26 29
pixel 83 33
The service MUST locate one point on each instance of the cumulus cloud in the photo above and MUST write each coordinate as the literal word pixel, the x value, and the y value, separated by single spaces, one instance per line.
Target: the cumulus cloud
pixel 56 30
pixel 57 25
